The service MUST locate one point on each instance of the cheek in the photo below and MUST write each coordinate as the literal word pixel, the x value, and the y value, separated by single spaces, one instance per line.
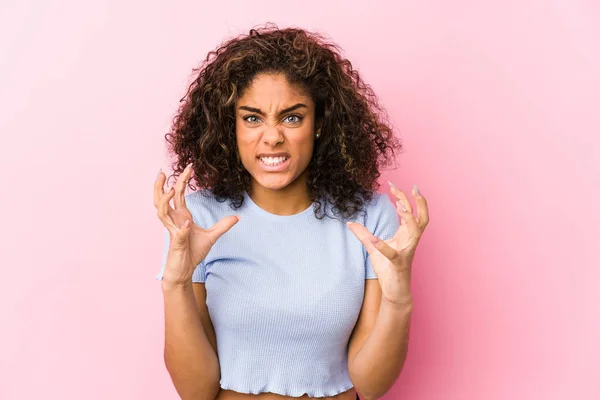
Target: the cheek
pixel 246 146
pixel 307 142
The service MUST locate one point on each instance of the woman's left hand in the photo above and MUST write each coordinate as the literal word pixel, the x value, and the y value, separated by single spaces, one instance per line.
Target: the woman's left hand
pixel 392 259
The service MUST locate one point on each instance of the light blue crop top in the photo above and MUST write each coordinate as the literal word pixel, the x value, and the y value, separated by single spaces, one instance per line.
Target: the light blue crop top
pixel 284 294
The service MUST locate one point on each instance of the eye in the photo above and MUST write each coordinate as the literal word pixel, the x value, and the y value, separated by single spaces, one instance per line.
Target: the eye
pixel 298 118
pixel 251 116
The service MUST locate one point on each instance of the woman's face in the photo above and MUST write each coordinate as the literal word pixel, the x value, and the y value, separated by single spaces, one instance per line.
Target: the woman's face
pixel 276 119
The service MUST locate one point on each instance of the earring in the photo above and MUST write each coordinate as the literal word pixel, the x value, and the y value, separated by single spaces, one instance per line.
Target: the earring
pixel 318 134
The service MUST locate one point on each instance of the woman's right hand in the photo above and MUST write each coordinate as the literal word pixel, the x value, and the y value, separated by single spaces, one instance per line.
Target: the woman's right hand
pixel 189 243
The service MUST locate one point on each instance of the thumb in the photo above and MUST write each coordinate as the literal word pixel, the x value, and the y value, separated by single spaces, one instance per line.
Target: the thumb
pixel 362 234
pixel 222 226
pixel 370 241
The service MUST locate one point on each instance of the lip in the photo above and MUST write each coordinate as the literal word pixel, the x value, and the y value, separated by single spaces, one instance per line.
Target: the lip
pixel 280 154
pixel 274 168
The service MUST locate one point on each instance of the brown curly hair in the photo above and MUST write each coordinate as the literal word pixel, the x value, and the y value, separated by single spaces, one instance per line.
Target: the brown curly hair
pixel 356 135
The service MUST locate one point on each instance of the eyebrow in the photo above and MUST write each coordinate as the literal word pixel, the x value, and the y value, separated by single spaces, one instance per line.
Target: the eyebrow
pixel 259 111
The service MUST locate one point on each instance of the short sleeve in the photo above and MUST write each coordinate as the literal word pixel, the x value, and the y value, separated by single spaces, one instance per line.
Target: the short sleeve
pixel 381 220
pixel 199 274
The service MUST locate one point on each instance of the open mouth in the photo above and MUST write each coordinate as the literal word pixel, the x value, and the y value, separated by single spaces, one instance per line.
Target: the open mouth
pixel 274 163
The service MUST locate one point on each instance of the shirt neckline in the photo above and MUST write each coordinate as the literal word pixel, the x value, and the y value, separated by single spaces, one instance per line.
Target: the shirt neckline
pixel 264 213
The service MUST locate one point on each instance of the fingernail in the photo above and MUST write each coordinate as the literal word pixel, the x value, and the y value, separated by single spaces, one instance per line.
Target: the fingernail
pixel 159 171
pixel 416 190
pixel 401 205
pixel 374 239
pixel 392 185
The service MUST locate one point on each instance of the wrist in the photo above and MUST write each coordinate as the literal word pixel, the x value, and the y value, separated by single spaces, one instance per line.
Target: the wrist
pixel 169 286
pixel 405 303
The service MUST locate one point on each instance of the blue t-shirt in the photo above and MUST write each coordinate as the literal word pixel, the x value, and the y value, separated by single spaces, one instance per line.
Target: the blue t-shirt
pixel 284 293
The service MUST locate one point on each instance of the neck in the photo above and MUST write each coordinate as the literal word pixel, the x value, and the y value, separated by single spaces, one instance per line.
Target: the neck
pixel 290 200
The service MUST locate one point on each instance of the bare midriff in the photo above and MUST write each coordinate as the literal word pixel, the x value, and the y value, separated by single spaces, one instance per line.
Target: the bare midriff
pixel 232 395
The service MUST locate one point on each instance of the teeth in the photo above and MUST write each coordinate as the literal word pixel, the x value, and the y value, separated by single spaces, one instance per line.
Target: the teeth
pixel 273 160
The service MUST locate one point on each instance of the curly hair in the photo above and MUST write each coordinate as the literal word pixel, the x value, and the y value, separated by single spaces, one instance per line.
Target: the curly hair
pixel 356 134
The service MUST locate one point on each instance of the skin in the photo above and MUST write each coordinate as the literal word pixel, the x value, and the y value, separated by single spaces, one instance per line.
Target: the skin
pixel 379 342
pixel 262 128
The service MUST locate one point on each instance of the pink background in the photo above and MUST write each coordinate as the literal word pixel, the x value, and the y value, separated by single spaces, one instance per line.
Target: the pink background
pixel 497 105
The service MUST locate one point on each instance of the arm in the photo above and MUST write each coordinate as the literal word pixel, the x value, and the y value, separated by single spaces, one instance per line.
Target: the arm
pixel 378 348
pixel 379 343
pixel 190 346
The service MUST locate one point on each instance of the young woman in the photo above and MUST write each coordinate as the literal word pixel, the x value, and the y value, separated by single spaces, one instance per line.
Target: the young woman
pixel 285 273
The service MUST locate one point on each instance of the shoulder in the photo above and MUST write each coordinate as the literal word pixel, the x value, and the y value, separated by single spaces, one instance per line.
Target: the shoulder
pixel 381 217
pixel 379 205
pixel 379 202
pixel 205 207
pixel 200 197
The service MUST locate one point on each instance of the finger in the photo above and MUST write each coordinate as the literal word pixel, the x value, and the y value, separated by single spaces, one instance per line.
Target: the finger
pixel 389 252
pixel 406 217
pixel 399 194
pixel 406 213
pixel 182 234
pixel 159 184
pixel 409 220
pixel 362 234
pixel 164 207
pixel 401 210
pixel 168 223
pixel 222 226
pixel 372 242
pixel 180 185
pixel 422 208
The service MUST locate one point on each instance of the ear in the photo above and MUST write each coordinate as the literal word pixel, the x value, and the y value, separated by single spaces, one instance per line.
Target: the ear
pixel 319 127
pixel 319 124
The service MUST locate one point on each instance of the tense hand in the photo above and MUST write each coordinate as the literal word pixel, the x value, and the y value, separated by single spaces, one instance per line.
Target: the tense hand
pixel 392 259
pixel 189 243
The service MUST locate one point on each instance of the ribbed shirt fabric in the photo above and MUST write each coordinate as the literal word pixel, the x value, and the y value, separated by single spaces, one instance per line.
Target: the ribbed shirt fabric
pixel 284 293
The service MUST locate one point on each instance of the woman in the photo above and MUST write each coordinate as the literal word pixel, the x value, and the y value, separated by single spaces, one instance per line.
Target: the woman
pixel 286 274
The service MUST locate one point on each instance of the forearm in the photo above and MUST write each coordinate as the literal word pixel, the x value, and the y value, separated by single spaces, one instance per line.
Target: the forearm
pixel 190 359
pixel 378 363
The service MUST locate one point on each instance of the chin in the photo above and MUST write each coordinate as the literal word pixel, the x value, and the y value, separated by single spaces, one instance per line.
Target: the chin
pixel 273 184
pixel 272 181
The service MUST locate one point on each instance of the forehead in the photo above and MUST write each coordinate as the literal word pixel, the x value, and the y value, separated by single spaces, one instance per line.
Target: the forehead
pixel 270 87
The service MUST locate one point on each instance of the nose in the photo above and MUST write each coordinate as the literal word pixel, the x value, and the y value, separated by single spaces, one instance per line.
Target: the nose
pixel 273 135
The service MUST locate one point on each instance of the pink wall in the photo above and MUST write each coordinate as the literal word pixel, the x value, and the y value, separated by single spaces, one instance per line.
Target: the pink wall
pixel 497 105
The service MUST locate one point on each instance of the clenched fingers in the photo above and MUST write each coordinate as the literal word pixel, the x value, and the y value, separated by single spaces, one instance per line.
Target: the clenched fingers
pixel 159 184
pixel 180 185
pixel 422 218
pixel 164 207
pixel 161 201
pixel 422 208
pixel 400 196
